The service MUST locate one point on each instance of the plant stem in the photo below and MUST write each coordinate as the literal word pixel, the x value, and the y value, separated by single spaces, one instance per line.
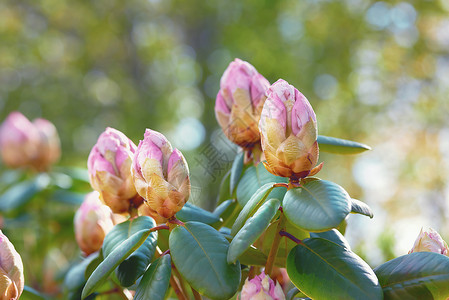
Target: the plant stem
pixel 176 288
pixel 274 248
pixel 196 295
pixel 160 227
pixel 281 184
pixel 181 282
pixel 290 236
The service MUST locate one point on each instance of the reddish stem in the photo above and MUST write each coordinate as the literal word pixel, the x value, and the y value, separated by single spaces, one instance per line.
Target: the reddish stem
pixel 290 236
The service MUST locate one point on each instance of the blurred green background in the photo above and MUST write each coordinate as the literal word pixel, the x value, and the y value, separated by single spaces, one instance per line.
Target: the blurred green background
pixel 375 72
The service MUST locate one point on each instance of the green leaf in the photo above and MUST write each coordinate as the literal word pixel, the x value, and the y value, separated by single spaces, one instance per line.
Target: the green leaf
pixel 199 253
pixel 31 294
pixel 265 242
pixel 251 207
pixel 322 269
pixel 332 235
pixel 253 179
pixel 135 265
pixel 112 261
pixel 318 205
pixel 154 283
pixel 97 258
pixel 418 275
pixel 340 146
pixel 359 207
pixel 75 277
pixel 236 171
pixel 21 193
pixel 252 229
pixel 68 197
pixel 190 212
pixel 224 193
pixel 253 257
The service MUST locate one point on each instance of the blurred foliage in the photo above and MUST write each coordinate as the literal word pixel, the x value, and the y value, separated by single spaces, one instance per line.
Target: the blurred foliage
pixel 375 72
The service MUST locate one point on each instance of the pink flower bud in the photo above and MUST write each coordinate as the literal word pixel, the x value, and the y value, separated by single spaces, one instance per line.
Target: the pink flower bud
pixel 288 130
pixel 11 270
pixel 109 166
pixel 239 103
pixel 430 241
pixel 262 287
pixel 92 221
pixel 161 174
pixel 25 144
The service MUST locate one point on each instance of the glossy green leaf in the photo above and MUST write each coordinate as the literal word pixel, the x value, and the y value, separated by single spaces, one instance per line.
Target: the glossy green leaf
pixel 253 257
pixel 318 205
pixel 224 193
pixel 22 192
pixel 97 258
pixel 155 281
pixel 190 212
pixel 359 207
pixel 418 275
pixel 253 179
pixel 135 265
pixel 199 253
pixel 236 171
pixel 332 235
pixel 324 270
pixel 340 146
pixel 75 277
pixel 252 229
pixel 251 207
pixel 265 241
pixel 113 260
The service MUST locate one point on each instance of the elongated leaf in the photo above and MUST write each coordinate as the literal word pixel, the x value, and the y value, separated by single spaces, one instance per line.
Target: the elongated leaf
pixel 199 253
pixel 251 207
pixel 31 294
pixel 322 269
pixel 359 207
pixel 190 212
pixel 318 205
pixel 135 265
pixel 154 283
pixel 68 197
pixel 224 193
pixel 253 179
pixel 112 261
pixel 222 210
pixel 75 277
pixel 418 275
pixel 252 229
pixel 236 172
pixel 340 146
pixel 332 235
pixel 21 193
pixel 253 257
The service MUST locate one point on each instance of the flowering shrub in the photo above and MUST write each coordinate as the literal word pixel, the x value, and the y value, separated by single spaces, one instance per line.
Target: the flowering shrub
pixel 141 238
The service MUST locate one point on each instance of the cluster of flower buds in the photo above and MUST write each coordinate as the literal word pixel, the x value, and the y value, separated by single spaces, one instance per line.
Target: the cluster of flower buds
pixel 239 104
pixel 430 241
pixel 109 166
pixel 261 287
pixel 11 270
pixel 93 221
pixel 161 174
pixel 28 144
pixel 125 175
pixel 288 129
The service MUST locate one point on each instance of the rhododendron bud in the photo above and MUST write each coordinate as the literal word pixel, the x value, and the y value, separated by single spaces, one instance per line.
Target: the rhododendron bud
pixel 50 145
pixel 261 287
pixel 146 210
pixel 11 270
pixel 25 144
pixel 92 221
pixel 161 174
pixel 109 166
pixel 430 241
pixel 288 130
pixel 239 104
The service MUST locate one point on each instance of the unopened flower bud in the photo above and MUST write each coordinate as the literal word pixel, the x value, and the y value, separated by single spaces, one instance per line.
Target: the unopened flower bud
pixel 25 144
pixel 430 241
pixel 262 287
pixel 11 270
pixel 161 174
pixel 239 103
pixel 288 129
pixel 93 220
pixel 146 210
pixel 109 166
